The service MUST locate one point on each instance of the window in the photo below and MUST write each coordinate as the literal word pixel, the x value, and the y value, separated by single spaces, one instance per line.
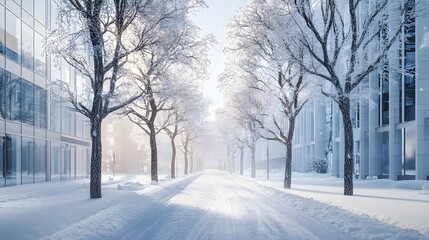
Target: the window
pixel 27 160
pixel 13 97
pixel 28 6
pixel 2 94
pixel 38 53
pixel 2 159
pixel 39 160
pixel 2 28
pixel 65 162
pixel 12 165
pixel 27 102
pixel 40 11
pixel 55 112
pixel 55 161
pixel 27 46
pixel 13 37
pixel 40 110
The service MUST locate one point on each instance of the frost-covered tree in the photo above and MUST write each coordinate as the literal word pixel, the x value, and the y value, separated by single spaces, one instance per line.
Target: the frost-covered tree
pixel 179 56
pixel 185 109
pixel 347 40
pixel 257 39
pixel 97 37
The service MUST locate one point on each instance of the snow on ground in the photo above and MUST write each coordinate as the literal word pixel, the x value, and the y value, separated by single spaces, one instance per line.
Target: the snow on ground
pixel 401 203
pixel 209 205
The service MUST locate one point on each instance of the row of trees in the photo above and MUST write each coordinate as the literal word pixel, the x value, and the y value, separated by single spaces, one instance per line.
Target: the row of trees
pixel 141 58
pixel 282 52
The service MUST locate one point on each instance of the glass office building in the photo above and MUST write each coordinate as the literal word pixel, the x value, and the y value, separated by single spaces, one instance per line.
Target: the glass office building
pixel 41 139
pixel 391 137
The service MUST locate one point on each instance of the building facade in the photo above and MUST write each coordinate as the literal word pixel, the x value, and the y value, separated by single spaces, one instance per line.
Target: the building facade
pixel 41 139
pixel 391 132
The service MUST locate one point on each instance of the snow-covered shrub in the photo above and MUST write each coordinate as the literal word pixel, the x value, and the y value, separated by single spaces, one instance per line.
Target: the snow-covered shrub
pixel 318 165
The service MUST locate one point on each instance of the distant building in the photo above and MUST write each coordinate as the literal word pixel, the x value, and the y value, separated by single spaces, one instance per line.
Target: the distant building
pixel 123 151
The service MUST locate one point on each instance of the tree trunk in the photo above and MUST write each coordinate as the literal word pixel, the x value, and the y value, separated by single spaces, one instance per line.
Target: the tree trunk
pixel 253 163
pixel 344 106
pixel 241 160
pixel 173 158
pixel 154 154
pixel 185 153
pixel 95 181
pixel 288 164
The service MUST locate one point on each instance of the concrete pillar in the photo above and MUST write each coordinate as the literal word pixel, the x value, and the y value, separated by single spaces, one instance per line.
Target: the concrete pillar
pixel 395 135
pixel 422 96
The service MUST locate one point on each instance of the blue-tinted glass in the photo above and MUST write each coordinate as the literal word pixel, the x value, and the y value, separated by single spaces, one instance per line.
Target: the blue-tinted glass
pixel 13 160
pixel 65 162
pixel 27 46
pixel 2 160
pixel 40 161
pixel 40 107
pixel 13 37
pixel 55 112
pixel 410 151
pixel 13 97
pixel 27 160
pixel 39 56
pixel 2 29
pixel 27 104
pixel 55 161
pixel 2 94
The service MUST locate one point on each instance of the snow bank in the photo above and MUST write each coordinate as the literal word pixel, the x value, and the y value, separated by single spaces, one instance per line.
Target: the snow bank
pixel 131 186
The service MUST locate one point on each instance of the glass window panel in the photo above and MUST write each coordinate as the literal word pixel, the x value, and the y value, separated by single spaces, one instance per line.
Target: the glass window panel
pixel 54 14
pixel 55 112
pixel 27 160
pixel 40 12
pixel 38 53
pixel 27 104
pixel 68 119
pixel 55 161
pixel 79 158
pixel 40 107
pixel 40 161
pixel 2 29
pixel 410 151
pixel 27 46
pixel 65 162
pixel 13 97
pixel 28 5
pixel 2 94
pixel 2 160
pixel 13 37
pixel 13 160
pixel 14 7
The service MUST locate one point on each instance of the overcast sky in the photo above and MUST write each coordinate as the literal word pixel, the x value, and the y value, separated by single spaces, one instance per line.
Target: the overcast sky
pixel 213 20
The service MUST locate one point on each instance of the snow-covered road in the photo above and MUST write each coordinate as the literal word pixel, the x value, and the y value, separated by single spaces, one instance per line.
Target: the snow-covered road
pixel 221 206
pixel 209 205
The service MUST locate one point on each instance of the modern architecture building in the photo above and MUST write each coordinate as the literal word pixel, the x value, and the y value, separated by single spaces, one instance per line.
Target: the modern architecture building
pixel 391 133
pixel 41 139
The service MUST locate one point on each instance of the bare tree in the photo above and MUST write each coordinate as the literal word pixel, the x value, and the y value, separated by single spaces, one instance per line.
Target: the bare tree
pixel 258 35
pixel 179 52
pixel 347 40
pixel 97 37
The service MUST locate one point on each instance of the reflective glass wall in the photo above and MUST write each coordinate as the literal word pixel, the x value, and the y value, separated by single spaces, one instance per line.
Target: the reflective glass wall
pixel 33 119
